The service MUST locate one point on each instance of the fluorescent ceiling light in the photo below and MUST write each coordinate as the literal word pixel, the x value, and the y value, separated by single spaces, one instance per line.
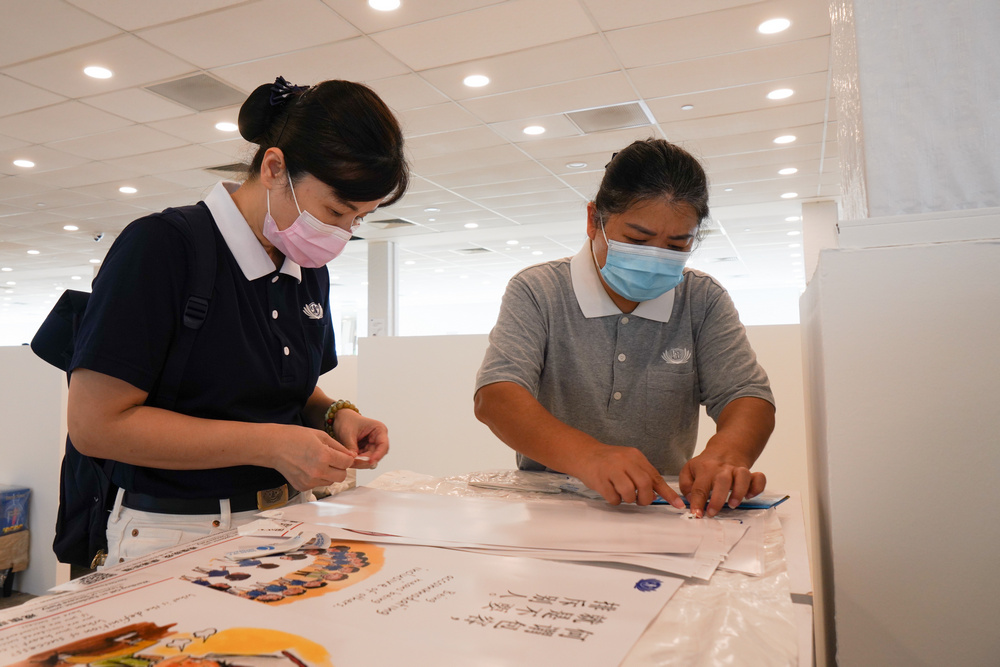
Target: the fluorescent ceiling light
pixel 476 80
pixel 772 26
pixel 97 72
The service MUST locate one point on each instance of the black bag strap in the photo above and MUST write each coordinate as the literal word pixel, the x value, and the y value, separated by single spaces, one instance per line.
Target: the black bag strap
pixel 201 281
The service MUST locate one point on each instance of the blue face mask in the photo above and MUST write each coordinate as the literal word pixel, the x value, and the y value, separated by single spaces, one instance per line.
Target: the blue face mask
pixel 641 273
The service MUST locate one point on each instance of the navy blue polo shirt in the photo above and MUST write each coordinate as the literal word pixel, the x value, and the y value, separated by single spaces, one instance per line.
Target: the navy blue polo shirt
pixel 266 339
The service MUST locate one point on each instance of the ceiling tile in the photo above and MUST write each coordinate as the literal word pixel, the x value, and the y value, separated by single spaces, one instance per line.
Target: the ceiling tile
pixel 489 189
pixel 131 140
pixel 493 174
pixel 138 105
pixel 489 31
pixel 131 15
pixel 614 14
pixel 471 159
pixel 175 159
pixel 45 159
pixel 685 38
pixel 200 127
pixel 45 26
pixel 555 126
pixel 132 60
pixel 437 118
pixel 777 118
pixel 598 142
pixel 85 174
pixel 17 96
pixel 104 209
pixel 442 143
pixel 247 32
pixel 542 65
pixel 62 121
pixel 589 93
pixel 357 59
pixel 52 199
pixel 407 92
pixel 371 20
pixel 11 187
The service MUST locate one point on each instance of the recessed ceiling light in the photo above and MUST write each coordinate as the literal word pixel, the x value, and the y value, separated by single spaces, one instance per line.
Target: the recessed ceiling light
pixel 534 129
pixel 75 278
pixel 785 139
pixel 438 270
pixel 11 282
pixel 787 171
pixel 431 219
pixel 513 242
pixel 780 94
pixel 409 262
pixel 6 268
pixel 471 225
pixel 71 228
pixel 33 252
pixel 24 164
pixel 728 190
pixel 576 165
pixel 794 232
pixel 790 195
pixel 476 80
pixel 97 72
pixel 384 5
pixel 773 25
pixel 95 261
pixel 792 218
pixel 127 190
pixel 687 107
pixel 226 126
pixel 536 252
pixel 431 209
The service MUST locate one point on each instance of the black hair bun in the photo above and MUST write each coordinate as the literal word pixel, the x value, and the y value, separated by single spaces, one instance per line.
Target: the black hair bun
pixel 257 113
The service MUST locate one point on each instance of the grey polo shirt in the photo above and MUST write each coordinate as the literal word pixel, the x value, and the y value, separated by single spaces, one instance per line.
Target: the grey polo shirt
pixel 633 379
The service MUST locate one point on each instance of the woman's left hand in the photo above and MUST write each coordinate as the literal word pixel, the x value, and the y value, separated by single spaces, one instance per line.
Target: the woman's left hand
pixel 366 437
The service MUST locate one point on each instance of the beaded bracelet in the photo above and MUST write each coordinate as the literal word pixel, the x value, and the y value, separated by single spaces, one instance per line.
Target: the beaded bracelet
pixel 331 412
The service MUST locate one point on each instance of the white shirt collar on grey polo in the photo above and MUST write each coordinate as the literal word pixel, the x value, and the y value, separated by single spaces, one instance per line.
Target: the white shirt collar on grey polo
pixel 594 300
pixel 249 253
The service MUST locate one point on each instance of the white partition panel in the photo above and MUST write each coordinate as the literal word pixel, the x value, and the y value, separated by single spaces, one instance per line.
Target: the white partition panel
pixel 32 433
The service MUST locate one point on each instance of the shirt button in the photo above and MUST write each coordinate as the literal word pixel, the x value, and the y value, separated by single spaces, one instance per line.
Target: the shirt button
pixel 621 357
pixel 287 352
pixel 624 320
pixel 618 396
pixel 216 523
pixel 274 279
pixel 135 532
pixel 274 314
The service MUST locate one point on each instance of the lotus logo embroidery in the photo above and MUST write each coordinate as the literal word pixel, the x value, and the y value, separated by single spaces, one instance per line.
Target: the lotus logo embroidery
pixel 677 355
pixel 313 311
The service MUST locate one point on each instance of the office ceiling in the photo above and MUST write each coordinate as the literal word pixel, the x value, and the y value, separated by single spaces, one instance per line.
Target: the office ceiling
pixel 696 73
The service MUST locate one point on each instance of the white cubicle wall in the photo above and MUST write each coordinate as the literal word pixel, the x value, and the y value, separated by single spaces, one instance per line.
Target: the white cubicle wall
pixel 420 386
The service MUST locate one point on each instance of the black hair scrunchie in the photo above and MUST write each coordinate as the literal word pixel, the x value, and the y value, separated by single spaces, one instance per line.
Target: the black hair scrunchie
pixel 263 104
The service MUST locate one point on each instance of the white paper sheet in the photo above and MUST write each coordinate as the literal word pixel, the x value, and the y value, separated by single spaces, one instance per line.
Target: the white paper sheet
pixel 565 524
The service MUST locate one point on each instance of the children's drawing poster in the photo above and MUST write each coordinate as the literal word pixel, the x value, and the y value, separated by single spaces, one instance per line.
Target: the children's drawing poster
pixel 337 603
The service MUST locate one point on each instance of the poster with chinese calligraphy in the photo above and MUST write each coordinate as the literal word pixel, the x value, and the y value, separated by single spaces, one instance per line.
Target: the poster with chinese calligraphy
pixel 337 603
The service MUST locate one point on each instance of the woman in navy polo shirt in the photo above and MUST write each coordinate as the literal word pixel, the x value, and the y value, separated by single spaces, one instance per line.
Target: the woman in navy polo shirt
pixel 249 428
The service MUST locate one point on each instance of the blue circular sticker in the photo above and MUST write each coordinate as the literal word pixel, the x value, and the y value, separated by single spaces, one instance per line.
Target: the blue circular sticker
pixel 646 585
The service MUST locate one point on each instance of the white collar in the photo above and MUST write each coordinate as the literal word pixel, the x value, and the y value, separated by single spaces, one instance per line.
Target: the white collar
pixel 249 253
pixel 594 300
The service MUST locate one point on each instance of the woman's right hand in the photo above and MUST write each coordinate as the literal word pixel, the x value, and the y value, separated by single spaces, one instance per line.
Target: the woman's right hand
pixel 308 457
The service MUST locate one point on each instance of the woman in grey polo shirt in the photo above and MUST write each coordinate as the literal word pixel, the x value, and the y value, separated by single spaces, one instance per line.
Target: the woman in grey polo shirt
pixel 598 363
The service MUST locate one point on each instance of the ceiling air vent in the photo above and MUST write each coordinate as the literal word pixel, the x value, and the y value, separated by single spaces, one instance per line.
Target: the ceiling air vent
pixel 472 251
pixel 392 223
pixel 200 92
pixel 615 117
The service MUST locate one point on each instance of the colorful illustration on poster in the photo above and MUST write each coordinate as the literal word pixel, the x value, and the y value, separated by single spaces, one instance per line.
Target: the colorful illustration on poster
pixel 299 575
pixel 148 644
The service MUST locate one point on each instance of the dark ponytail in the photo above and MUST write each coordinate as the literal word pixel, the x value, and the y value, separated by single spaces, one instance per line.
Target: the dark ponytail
pixel 338 131
pixel 652 169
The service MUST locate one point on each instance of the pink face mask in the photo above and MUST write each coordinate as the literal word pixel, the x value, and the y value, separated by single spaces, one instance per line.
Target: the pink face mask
pixel 307 242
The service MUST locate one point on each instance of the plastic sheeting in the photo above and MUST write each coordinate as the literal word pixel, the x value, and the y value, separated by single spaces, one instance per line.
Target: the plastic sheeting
pixel 733 619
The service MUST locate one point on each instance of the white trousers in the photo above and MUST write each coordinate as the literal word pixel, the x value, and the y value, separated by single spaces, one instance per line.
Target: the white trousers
pixel 134 533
